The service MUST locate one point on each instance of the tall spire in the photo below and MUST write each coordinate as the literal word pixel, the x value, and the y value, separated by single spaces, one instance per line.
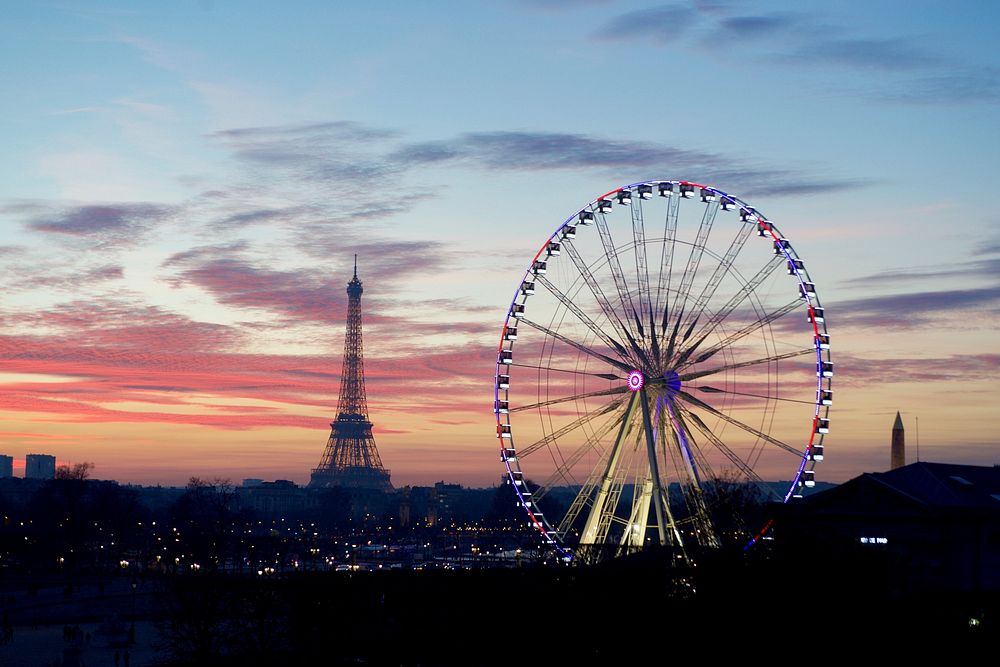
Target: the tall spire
pixel 897 455
pixel 350 458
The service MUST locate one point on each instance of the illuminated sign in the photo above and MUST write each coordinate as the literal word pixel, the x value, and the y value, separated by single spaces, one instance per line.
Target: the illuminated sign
pixel 874 540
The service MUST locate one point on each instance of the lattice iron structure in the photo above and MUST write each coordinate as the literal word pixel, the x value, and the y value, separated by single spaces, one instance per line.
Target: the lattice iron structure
pixel 351 459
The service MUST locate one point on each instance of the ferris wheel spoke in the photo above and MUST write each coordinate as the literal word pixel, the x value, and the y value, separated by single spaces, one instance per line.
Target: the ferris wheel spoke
pixel 595 289
pixel 733 457
pixel 559 474
pixel 641 267
pixel 684 443
pixel 746 291
pixel 614 263
pixel 687 278
pixel 667 438
pixel 575 397
pixel 736 422
pixel 583 317
pixel 745 364
pixel 715 390
pixel 721 270
pixel 579 346
pixel 728 341
pixel 667 260
pixel 603 376
pixel 569 428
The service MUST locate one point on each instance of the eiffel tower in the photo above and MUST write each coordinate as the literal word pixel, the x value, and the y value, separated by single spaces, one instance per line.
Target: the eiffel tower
pixel 351 459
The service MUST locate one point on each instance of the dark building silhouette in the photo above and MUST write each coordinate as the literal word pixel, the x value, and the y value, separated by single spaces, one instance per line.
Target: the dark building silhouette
pixel 39 466
pixel 897 457
pixel 351 459
pixel 932 527
pixel 276 499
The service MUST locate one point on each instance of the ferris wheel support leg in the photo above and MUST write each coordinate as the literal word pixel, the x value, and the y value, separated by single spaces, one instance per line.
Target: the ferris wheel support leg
pixel 635 532
pixel 662 513
pixel 591 528
pixel 695 499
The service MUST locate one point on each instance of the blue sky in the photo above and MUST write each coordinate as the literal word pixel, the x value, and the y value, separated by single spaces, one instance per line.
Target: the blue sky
pixel 195 179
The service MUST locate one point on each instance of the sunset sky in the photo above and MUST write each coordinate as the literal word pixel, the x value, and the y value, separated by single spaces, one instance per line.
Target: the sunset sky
pixel 183 187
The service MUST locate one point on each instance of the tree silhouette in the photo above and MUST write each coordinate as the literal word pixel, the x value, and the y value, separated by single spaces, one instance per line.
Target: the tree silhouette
pixel 76 471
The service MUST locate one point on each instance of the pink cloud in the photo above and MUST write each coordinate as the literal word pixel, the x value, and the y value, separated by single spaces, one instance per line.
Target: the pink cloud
pixel 110 354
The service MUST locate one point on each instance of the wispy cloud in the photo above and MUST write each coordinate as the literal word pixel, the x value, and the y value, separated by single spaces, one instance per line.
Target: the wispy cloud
pixel 296 295
pixel 387 261
pixel 261 216
pixel 916 308
pixel 117 324
pixel 203 252
pixel 333 175
pixel 163 369
pixel 533 151
pixel 103 225
pixel 560 5
pixel 756 26
pixel 955 85
pixel 341 130
pixel 991 247
pixel 338 151
pixel 862 371
pixel 909 68
pixel 308 294
pixel 987 270
pixel 360 160
pixel 74 280
pixel 662 25
pixel 863 53
pixel 547 150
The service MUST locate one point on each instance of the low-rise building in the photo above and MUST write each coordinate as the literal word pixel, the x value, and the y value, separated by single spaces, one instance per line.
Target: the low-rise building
pixel 932 527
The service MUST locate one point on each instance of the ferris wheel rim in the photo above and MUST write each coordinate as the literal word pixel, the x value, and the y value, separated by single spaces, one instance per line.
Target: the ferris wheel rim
pixel 509 457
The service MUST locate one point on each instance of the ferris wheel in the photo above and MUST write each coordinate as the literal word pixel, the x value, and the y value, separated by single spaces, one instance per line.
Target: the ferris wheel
pixel 666 343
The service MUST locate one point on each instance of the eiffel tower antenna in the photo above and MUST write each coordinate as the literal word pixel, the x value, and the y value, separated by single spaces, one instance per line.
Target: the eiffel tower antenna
pixel 351 458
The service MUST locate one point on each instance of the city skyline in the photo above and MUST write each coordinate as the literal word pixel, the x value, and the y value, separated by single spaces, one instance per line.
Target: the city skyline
pixel 184 190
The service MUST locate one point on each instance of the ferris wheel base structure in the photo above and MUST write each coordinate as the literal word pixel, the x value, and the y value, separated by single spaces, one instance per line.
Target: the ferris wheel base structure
pixel 664 353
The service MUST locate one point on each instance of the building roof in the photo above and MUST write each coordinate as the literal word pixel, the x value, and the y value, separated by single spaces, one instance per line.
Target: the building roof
pixel 927 485
pixel 946 484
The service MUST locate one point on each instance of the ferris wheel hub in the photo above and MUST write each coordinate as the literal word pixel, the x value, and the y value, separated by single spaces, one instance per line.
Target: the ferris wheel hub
pixel 636 380
pixel 672 381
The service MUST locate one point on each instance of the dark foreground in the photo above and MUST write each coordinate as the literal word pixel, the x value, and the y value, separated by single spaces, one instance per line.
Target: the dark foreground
pixel 766 607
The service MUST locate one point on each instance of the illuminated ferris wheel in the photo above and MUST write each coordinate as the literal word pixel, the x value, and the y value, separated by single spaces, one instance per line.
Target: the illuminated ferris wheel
pixel 666 343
